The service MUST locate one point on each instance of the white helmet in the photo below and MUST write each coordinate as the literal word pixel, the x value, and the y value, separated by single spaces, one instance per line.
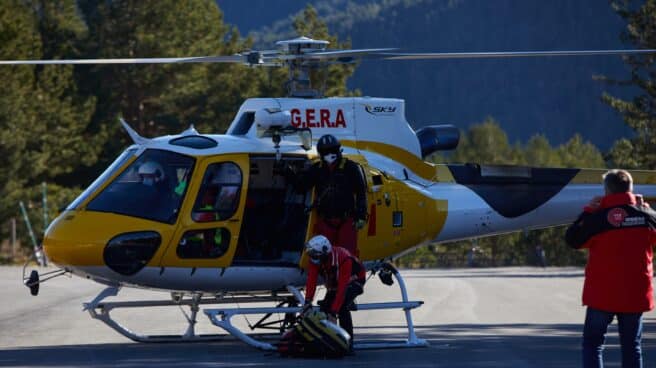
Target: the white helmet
pixel 318 247
pixel 151 172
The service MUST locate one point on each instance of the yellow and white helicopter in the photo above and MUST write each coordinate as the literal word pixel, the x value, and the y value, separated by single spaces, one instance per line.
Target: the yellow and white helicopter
pixel 221 224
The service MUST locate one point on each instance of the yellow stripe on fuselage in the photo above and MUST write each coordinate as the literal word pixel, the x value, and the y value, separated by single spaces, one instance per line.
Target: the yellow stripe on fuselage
pixel 425 170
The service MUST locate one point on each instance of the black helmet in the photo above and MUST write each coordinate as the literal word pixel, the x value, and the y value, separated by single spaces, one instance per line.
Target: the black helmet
pixel 328 144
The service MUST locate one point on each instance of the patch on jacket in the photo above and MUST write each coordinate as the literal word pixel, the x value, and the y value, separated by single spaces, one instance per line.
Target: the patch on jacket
pixel 616 216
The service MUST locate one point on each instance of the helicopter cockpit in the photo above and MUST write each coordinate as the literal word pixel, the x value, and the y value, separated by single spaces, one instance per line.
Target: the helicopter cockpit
pixel 209 210
pixel 152 187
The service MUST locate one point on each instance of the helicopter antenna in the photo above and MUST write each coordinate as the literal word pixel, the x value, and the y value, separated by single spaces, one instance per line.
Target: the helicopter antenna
pixel 136 138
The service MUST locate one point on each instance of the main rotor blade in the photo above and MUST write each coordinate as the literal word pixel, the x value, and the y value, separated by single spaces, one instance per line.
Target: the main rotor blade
pixel 199 59
pixel 511 54
pixel 270 58
pixel 334 54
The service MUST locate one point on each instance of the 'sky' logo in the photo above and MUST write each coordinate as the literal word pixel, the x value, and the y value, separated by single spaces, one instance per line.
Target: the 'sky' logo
pixel 380 110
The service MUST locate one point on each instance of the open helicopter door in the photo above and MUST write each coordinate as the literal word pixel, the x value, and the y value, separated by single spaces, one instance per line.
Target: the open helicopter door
pixel 212 214
pixel 276 219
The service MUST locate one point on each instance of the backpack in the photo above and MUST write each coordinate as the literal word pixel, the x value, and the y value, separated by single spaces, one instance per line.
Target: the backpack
pixel 313 336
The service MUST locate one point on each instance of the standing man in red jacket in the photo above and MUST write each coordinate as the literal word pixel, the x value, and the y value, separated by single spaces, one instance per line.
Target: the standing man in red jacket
pixel 340 194
pixel 344 276
pixel 619 233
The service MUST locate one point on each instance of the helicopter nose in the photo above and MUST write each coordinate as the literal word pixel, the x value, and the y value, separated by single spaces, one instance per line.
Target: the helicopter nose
pixel 68 244
pixel 89 241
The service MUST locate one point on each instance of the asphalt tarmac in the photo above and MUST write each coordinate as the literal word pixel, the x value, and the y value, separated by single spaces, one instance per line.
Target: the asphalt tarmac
pixel 507 317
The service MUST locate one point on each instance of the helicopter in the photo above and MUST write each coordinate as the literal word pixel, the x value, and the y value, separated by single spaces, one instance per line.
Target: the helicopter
pixel 222 224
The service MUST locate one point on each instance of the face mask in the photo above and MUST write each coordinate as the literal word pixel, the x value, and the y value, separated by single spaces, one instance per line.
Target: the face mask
pixel 149 181
pixel 330 158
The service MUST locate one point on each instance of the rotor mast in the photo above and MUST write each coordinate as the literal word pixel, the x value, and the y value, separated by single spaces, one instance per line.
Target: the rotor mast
pixel 295 57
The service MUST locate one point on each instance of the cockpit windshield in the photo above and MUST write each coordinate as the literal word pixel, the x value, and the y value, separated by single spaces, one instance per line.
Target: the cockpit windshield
pixel 116 165
pixel 152 187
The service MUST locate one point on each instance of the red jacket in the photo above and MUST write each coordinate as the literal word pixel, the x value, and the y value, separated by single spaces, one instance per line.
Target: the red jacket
pixel 619 236
pixel 338 271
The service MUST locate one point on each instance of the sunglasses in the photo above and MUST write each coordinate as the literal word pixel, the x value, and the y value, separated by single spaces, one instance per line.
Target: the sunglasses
pixel 315 257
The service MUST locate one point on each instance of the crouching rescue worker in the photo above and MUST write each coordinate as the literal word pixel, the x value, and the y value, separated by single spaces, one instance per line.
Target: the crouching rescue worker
pixel 619 233
pixel 344 276
pixel 340 194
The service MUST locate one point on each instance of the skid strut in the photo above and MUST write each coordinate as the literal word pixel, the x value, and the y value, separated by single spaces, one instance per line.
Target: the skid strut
pixel 101 311
pixel 221 317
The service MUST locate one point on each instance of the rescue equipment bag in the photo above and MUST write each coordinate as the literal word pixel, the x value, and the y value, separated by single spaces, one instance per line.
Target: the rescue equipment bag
pixel 314 336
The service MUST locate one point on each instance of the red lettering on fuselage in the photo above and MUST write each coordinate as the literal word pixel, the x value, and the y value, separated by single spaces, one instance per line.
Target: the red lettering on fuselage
pixel 325 118
pixel 309 118
pixel 296 119
pixel 340 119
pixel 312 120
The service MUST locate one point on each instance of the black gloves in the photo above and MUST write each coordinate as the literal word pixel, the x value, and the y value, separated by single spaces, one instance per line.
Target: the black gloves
pixel 306 307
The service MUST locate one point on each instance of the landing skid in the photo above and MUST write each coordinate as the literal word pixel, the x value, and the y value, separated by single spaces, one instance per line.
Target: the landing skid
pixel 222 317
pixel 102 311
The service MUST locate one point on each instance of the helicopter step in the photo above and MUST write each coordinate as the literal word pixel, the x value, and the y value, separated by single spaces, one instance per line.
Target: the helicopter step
pixel 222 317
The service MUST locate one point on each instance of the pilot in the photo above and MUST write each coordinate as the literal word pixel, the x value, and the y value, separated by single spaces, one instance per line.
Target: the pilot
pixel 340 194
pixel 344 276
pixel 151 173
pixel 155 190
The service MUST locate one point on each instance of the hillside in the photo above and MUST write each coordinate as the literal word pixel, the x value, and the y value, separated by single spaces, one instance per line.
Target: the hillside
pixel 555 96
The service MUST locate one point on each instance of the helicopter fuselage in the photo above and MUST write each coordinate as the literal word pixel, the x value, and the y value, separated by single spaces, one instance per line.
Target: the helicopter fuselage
pixel 219 215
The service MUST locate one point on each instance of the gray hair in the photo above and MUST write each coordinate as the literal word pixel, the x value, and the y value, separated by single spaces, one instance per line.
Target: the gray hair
pixel 618 181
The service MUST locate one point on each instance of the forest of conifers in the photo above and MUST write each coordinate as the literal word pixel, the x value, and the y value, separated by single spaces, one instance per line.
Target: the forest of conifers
pixel 59 124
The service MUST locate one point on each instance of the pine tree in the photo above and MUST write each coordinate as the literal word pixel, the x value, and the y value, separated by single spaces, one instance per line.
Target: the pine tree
pixel 640 112
pixel 155 98
pixel 158 99
pixel 330 80
pixel 334 78
pixel 43 118
pixel 485 143
pixel 19 38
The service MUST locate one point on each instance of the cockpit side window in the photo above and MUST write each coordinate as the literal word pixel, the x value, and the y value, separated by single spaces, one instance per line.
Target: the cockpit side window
pixel 218 196
pixel 152 187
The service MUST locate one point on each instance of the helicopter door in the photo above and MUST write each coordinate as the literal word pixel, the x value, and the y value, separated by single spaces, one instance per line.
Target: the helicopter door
pixel 211 218
pixel 377 238
pixel 275 219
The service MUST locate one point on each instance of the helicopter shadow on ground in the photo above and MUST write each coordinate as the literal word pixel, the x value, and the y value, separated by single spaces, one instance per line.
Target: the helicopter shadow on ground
pixel 456 345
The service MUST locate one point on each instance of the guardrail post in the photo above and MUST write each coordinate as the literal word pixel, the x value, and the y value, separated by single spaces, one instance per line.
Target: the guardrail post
pixel 13 238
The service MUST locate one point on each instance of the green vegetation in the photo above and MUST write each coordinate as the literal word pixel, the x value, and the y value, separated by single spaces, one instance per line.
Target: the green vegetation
pixel 58 124
pixel 44 119
pixel 639 113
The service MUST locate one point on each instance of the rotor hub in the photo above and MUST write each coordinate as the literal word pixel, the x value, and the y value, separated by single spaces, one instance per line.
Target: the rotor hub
pixel 302 45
